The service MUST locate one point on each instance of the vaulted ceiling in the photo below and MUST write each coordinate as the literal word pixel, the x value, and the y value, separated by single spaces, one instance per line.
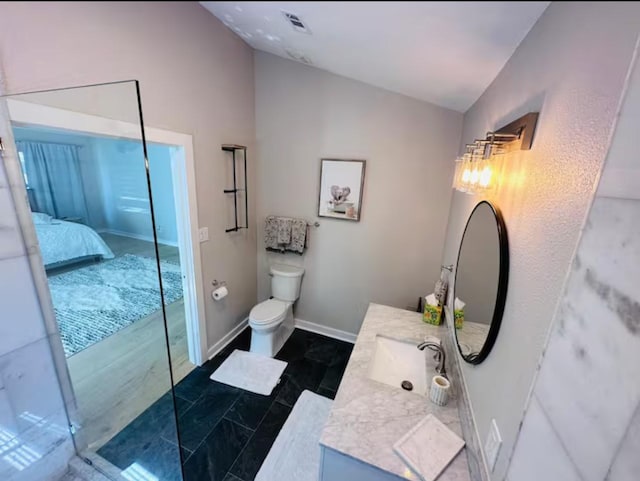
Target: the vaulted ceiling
pixel 446 53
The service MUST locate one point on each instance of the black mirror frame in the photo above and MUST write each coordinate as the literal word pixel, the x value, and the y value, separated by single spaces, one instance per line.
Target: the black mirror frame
pixel 503 282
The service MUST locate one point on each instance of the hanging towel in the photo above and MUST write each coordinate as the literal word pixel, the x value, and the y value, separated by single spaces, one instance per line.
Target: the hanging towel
pixel 284 230
pixel 298 236
pixel 271 233
pixel 277 229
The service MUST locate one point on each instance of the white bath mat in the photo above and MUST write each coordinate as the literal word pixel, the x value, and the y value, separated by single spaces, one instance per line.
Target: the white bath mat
pixel 250 371
pixel 295 454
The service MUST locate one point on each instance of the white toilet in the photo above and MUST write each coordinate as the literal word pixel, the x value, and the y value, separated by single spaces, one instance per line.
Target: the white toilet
pixel 271 321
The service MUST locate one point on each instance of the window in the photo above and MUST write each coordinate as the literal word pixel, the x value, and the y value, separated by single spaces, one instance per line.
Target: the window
pixel 24 170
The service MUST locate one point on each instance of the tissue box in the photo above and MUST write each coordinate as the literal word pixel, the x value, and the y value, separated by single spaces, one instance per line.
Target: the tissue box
pixel 458 315
pixel 432 314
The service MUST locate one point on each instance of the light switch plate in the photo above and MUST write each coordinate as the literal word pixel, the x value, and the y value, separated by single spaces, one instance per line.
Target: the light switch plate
pixel 492 445
pixel 203 234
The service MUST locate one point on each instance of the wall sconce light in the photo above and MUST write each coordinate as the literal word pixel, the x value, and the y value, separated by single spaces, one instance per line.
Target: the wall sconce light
pixel 476 169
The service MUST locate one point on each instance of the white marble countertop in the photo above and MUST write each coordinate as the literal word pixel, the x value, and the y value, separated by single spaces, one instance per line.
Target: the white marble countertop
pixel 368 417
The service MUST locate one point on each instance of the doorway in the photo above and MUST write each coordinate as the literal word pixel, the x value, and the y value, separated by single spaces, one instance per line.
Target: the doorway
pixel 180 152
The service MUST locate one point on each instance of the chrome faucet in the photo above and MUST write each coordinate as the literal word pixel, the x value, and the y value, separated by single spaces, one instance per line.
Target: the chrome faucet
pixel 439 357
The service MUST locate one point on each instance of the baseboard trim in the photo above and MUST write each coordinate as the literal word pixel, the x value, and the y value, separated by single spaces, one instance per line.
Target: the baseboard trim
pixel 230 336
pixel 299 323
pixel 141 237
pixel 326 331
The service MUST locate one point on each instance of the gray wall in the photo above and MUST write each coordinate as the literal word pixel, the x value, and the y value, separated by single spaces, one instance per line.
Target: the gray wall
pixel 196 77
pixel 392 256
pixel 571 67
pixel 595 339
pixel 118 166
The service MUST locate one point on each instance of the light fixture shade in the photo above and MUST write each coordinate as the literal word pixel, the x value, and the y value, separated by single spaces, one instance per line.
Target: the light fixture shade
pixel 464 170
pixel 468 177
pixel 457 176
pixel 485 173
pixel 477 170
pixel 474 173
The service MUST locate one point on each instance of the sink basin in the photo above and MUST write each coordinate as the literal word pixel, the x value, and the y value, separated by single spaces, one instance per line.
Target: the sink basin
pixel 395 361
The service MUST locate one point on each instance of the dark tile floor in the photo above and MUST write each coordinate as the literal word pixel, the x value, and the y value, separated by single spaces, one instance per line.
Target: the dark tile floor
pixel 225 432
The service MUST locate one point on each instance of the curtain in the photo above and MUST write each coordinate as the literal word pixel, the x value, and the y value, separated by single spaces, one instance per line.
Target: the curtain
pixel 53 172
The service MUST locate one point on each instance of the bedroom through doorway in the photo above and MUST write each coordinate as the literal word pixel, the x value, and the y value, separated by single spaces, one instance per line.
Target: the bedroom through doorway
pixel 90 208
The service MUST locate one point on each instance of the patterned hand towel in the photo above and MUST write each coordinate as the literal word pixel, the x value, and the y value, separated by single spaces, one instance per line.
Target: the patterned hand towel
pixel 271 233
pixel 284 230
pixel 298 236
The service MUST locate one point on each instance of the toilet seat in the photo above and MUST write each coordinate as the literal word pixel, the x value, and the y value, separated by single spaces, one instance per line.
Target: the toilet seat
pixel 267 312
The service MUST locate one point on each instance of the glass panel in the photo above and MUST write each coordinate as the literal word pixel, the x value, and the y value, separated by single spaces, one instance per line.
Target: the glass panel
pixel 83 161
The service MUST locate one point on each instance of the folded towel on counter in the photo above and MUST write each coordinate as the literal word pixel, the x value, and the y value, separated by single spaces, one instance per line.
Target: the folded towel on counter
pixel 285 234
pixel 284 230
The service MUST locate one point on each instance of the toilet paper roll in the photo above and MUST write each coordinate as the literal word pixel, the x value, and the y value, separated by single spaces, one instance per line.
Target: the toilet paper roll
pixel 220 293
pixel 439 393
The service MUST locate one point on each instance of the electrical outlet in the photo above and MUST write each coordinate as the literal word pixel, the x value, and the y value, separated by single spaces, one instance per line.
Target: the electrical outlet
pixel 203 234
pixel 492 445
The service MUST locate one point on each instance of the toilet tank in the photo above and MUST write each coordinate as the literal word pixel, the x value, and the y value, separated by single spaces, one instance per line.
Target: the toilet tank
pixel 285 282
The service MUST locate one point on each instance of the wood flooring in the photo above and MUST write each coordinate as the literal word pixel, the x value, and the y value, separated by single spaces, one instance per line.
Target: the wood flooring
pixel 118 378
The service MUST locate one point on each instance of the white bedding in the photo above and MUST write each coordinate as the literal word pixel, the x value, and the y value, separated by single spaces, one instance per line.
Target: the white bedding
pixel 62 241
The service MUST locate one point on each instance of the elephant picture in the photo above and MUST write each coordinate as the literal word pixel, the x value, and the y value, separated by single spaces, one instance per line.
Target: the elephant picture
pixel 341 188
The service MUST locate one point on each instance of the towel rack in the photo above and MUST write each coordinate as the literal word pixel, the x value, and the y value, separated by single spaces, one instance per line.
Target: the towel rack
pixel 234 148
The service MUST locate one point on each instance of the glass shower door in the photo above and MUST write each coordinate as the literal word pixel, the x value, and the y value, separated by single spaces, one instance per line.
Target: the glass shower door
pixel 84 162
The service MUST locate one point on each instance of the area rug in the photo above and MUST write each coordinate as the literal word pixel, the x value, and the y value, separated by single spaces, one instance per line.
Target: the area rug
pixel 295 454
pixel 250 371
pixel 94 302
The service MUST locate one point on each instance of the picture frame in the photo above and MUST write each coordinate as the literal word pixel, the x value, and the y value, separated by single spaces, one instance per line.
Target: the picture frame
pixel 341 189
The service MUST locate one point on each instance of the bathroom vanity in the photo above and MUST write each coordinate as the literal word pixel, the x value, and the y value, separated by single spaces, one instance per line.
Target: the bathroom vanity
pixel 369 416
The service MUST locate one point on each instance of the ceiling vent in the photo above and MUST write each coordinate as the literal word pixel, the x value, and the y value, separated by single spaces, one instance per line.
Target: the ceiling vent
pixel 299 56
pixel 296 22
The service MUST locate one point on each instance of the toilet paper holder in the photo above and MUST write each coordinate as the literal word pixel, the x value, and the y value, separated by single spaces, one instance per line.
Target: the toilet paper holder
pixel 216 283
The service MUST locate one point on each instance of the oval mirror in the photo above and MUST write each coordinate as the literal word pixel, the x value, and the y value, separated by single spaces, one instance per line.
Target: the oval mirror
pixel 481 280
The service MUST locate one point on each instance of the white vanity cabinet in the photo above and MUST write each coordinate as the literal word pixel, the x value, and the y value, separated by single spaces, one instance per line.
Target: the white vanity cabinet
pixel 335 466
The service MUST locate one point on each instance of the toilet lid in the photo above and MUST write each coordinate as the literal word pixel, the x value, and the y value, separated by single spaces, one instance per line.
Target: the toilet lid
pixel 284 270
pixel 268 311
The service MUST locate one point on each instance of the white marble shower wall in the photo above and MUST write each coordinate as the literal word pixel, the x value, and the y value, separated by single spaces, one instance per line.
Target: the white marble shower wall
pixel 35 443
pixel 583 420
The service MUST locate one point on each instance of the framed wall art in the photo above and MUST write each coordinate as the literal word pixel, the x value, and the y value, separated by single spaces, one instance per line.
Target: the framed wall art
pixel 341 187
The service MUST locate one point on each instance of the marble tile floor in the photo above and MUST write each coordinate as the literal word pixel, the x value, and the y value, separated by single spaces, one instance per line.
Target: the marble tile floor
pixel 71 477
pixel 225 432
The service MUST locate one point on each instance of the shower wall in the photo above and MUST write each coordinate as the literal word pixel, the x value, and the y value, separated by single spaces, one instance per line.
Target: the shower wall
pixel 35 443
pixel 583 417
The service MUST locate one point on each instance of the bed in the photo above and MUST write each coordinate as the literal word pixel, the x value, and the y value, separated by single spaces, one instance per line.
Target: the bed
pixel 63 243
